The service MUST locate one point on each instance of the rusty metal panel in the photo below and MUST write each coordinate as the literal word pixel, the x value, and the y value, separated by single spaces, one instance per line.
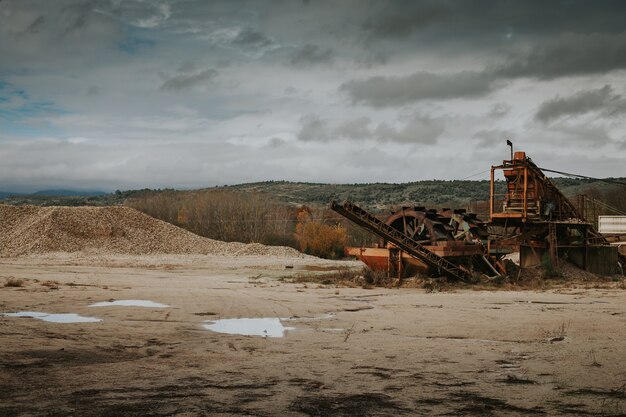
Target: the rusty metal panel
pixel 529 256
pixel 602 260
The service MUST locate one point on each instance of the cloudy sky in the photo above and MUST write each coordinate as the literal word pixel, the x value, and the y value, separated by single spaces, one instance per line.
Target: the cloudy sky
pixel 120 94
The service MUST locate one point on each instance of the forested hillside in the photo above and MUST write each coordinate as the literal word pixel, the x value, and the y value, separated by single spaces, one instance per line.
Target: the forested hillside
pixel 434 193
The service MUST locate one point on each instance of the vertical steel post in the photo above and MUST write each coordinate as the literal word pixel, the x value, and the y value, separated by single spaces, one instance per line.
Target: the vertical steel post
pixel 491 191
pixel 524 209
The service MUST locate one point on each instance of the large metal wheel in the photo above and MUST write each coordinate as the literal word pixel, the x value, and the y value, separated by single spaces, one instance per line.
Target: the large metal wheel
pixel 422 226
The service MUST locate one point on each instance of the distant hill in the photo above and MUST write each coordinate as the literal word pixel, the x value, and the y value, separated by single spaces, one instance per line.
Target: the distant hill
pixel 435 193
pixel 43 194
pixel 432 193
pixel 6 194
pixel 69 193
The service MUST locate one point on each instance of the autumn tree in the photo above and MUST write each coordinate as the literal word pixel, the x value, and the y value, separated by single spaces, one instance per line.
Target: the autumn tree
pixel 318 238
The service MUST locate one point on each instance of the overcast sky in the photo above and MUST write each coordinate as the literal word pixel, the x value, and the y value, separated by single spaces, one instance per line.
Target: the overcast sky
pixel 120 94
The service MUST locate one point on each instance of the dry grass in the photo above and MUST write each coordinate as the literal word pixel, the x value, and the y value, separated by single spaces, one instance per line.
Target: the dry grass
pixel 534 279
pixel 14 282
pixel 53 285
pixel 367 278
pixel 557 334
pixel 346 277
pixel 529 279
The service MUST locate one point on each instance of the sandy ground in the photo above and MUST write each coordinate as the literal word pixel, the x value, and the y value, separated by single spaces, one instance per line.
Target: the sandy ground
pixel 382 352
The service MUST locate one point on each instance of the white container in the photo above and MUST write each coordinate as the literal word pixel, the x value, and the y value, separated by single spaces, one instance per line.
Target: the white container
pixel 612 225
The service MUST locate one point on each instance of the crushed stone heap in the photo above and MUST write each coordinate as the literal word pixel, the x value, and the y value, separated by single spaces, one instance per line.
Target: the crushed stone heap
pixel 26 230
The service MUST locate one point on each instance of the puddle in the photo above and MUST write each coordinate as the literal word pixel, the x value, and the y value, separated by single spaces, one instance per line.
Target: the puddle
pixel 130 303
pixel 266 327
pixel 54 318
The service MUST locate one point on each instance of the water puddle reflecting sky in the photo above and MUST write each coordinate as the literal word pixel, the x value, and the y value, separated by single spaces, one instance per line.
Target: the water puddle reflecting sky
pixel 129 303
pixel 54 317
pixel 266 327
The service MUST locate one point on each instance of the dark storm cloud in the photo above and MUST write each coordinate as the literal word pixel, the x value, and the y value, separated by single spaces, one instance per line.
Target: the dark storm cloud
pixel 37 25
pixel 569 54
pixel 311 54
pixel 76 16
pixel 478 20
pixel 396 91
pixel 401 21
pixel 63 19
pixel 184 81
pixel 602 99
pixel 108 112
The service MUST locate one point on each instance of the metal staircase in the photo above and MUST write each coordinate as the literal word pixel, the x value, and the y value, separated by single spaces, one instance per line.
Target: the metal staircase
pixel 401 240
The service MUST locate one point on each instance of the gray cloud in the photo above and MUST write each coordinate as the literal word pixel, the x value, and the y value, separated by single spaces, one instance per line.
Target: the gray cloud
pixel 246 124
pixel 490 137
pixel 499 110
pixel 587 135
pixel 250 37
pixel 374 58
pixel 401 21
pixel 61 35
pixel 310 54
pixel 420 129
pixel 314 129
pixel 355 129
pixel 569 54
pixel 602 99
pixel 396 91
pixel 184 81
pixel 76 16
pixel 37 25
pixel 485 21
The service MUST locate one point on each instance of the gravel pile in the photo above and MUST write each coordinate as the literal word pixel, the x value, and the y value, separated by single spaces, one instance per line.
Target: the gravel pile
pixel 27 230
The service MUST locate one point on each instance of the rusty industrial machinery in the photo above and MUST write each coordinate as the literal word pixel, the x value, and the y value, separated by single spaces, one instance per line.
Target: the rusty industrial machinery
pixel 527 213
pixel 534 215
pixel 440 253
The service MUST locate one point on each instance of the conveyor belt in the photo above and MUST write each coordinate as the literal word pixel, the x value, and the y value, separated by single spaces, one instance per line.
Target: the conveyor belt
pixel 567 208
pixel 401 240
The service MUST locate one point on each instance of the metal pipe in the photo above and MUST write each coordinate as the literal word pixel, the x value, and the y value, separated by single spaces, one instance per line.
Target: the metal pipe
pixel 508 142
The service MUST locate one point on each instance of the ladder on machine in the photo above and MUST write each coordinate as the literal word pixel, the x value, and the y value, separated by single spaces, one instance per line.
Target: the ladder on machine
pixel 366 220
pixel 553 245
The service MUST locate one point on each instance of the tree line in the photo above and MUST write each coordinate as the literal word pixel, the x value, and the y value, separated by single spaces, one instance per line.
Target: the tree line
pixel 252 217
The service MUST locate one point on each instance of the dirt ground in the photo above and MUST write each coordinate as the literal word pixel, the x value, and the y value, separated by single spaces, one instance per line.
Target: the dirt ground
pixel 381 351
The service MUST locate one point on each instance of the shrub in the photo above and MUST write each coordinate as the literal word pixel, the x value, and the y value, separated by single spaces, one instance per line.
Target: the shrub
pixel 319 239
